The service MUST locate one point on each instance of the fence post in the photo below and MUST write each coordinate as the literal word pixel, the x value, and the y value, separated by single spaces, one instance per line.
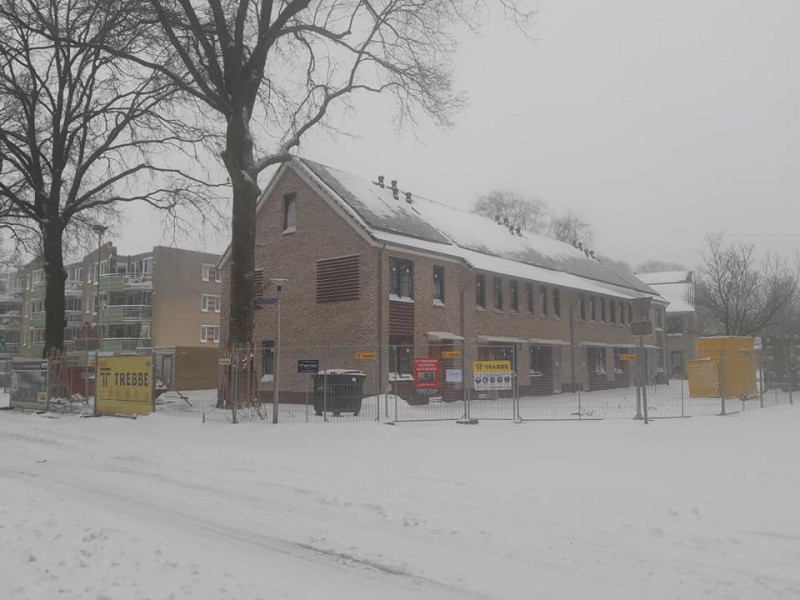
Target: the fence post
pixel 721 382
pixel 235 370
pixel 790 370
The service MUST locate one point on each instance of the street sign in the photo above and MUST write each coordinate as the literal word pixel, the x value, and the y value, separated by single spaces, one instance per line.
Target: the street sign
pixel 262 301
pixel 366 355
pixel 308 366
pixel 451 353
pixel 641 327
pixel 627 357
pixel 224 362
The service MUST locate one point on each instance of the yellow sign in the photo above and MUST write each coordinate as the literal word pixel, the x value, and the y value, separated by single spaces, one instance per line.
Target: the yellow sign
pixel 366 355
pixel 124 386
pixel 491 366
pixel 627 357
pixel 451 353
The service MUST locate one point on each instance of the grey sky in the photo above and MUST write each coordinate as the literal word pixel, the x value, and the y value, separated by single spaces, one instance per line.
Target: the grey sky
pixel 655 121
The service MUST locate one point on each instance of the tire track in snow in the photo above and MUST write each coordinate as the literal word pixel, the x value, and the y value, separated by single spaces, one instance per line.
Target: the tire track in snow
pixel 87 491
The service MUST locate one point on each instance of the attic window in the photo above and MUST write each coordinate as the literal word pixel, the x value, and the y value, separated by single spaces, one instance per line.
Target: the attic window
pixel 289 213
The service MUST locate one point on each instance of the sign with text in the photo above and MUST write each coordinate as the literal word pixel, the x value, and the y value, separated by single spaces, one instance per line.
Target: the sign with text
pixel 627 357
pixel 308 366
pixel 451 353
pixel 426 375
pixel 492 375
pixel 124 385
pixel 366 355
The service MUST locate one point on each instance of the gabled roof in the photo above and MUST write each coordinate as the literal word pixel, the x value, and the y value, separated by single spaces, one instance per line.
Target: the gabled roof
pixel 431 226
pixel 674 286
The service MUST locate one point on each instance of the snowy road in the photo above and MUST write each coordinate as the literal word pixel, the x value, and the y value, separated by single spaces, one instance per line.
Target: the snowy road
pixel 162 507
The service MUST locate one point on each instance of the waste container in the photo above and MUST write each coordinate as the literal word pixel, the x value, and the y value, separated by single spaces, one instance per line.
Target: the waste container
pixel 337 391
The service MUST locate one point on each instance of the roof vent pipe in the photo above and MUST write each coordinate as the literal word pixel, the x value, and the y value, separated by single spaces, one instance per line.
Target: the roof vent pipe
pixel 381 181
pixel 395 190
pixel 408 197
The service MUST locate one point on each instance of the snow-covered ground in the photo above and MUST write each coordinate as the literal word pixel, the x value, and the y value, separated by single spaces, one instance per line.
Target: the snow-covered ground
pixel 162 507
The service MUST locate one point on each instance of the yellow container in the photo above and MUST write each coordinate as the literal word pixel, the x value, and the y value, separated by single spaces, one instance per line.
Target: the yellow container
pixel 735 361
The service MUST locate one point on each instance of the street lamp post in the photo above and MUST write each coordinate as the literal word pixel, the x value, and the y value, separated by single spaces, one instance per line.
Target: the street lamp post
pixel 99 230
pixel 279 283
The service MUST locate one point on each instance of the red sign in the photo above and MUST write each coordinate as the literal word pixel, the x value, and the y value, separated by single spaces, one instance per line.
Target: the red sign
pixel 427 374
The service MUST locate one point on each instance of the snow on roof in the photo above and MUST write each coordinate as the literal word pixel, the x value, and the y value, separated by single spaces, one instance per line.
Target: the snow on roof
pixel 425 224
pixel 679 296
pixel 665 277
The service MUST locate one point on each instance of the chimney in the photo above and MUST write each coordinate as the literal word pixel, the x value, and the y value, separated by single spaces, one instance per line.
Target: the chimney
pixel 408 197
pixel 395 190
pixel 381 181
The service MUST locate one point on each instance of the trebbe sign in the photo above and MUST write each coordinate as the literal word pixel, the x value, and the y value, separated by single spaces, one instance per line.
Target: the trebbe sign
pixel 492 375
pixel 124 385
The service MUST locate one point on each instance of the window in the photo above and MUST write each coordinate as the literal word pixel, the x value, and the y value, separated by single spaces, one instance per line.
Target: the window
pixel 438 285
pixel 529 297
pixel 583 307
pixel 557 302
pixel 209 333
pixel 513 292
pixel 659 318
pixel 480 291
pixel 211 273
pixel 593 307
pixel 498 293
pixel 630 313
pixel 674 325
pixel 210 303
pixel 543 300
pixel 537 361
pixel 621 313
pixel 618 361
pixel 289 213
pixel 612 310
pixel 600 361
pixel 267 360
pixel 401 357
pixel 401 278
pixel 603 310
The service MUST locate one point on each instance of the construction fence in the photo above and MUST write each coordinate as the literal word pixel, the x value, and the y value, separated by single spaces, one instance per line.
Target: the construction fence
pixel 453 381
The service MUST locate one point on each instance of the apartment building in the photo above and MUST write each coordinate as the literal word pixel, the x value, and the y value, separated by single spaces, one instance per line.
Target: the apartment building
pixel 163 298
pixel 371 265
pixel 10 315
pixel 677 287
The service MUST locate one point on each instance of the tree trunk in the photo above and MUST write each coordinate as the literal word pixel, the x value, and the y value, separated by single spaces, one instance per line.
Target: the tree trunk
pixel 55 277
pixel 239 163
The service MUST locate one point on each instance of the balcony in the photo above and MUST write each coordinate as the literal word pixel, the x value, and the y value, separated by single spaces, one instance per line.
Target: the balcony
pixel 125 344
pixel 11 348
pixel 37 319
pixel 73 288
pixel 126 313
pixel 121 281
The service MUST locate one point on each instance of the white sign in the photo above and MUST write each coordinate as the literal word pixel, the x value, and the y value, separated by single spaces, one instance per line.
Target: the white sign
pixel 499 380
pixel 453 376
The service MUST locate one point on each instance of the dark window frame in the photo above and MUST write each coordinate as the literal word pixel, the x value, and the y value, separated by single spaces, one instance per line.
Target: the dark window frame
pixel 438 283
pixel 497 293
pixel 401 277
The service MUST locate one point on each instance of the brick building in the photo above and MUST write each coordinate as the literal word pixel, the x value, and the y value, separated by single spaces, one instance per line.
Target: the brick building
pixel 677 288
pixel 372 266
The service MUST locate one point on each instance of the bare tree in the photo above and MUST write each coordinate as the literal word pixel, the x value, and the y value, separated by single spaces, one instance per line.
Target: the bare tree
pixel 80 129
pixel 273 71
pixel 739 296
pixel 511 209
pixel 571 228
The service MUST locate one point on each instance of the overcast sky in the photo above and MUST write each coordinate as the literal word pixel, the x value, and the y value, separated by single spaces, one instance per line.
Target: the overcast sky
pixel 655 121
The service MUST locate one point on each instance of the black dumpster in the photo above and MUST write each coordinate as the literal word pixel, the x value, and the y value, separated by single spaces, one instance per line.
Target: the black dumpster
pixel 337 391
